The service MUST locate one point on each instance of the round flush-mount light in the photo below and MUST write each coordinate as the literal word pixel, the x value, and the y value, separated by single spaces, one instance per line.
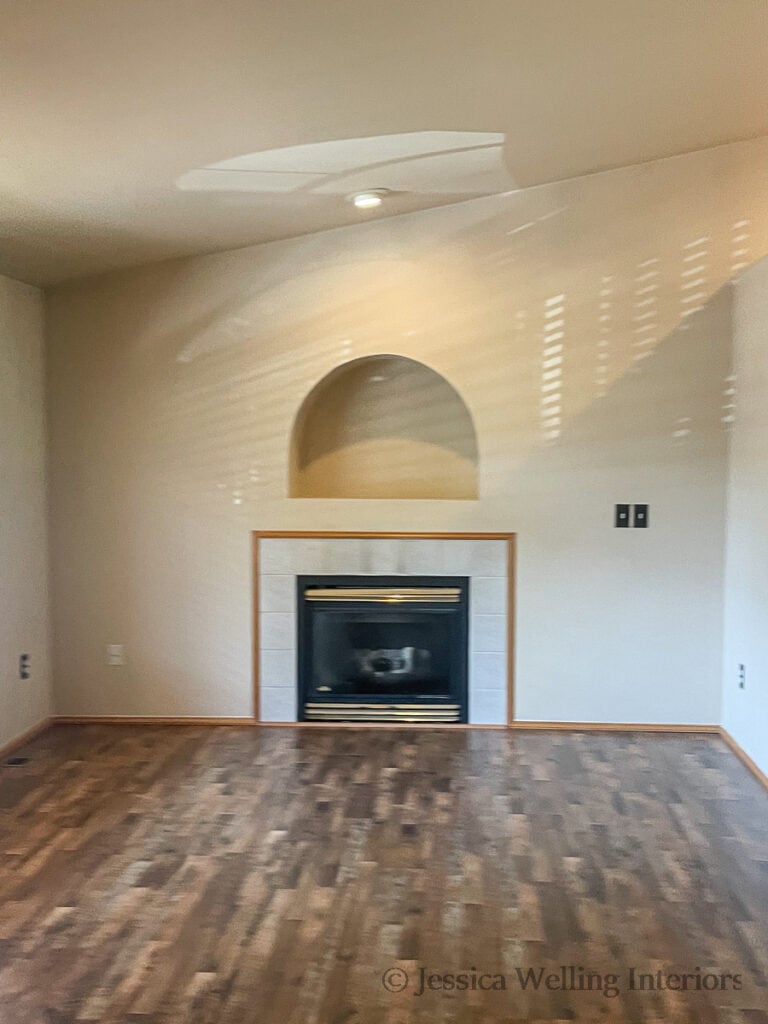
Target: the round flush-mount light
pixel 369 199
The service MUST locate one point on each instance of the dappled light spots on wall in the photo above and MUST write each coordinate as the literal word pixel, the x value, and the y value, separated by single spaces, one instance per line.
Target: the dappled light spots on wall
pixel 741 250
pixel 694 292
pixel 604 328
pixel 552 367
pixel 681 428
pixel 552 311
pixel 646 315
pixel 729 400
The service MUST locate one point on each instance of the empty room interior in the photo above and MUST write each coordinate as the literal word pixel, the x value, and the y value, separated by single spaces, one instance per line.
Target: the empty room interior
pixel 384 512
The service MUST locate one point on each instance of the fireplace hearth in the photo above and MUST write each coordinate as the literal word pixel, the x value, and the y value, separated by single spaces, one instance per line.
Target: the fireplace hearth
pixel 382 648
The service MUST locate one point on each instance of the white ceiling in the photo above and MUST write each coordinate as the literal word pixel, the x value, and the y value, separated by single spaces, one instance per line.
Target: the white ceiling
pixel 112 112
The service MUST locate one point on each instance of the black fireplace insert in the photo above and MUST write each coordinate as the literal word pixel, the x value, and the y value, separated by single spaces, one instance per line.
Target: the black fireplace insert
pixel 382 648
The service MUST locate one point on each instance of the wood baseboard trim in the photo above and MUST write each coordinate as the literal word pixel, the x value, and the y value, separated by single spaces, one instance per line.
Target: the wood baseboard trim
pixel 712 730
pixel 147 720
pixel 615 727
pixel 253 722
pixel 743 756
pixel 520 726
pixel 26 737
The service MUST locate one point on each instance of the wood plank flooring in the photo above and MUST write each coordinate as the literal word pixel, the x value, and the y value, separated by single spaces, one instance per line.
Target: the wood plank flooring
pixel 160 875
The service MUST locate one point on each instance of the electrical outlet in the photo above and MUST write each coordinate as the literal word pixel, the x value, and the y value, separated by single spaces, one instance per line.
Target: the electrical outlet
pixel 25 667
pixel 115 654
pixel 742 677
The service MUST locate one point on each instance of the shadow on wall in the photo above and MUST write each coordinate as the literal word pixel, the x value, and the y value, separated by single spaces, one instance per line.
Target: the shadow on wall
pixel 384 427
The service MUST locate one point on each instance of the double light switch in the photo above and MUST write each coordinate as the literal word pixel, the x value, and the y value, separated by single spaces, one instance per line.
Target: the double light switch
pixel 631 515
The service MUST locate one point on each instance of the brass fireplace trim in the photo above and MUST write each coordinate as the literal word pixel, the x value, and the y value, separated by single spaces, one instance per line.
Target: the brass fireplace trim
pixel 352 711
pixel 387 595
pixel 509 538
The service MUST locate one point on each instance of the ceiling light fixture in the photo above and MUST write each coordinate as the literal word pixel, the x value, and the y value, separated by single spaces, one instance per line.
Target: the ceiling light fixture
pixel 368 200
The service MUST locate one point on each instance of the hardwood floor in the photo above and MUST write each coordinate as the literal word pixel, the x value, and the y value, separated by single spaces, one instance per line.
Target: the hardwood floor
pixel 228 876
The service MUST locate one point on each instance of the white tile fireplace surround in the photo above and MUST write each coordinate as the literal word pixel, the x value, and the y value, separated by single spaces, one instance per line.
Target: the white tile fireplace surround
pixel 484 561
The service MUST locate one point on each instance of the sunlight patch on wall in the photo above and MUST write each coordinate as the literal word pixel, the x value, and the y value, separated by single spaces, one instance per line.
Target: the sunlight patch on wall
pixel 605 326
pixel 646 315
pixel 740 247
pixel 552 368
pixel 693 291
pixel 729 400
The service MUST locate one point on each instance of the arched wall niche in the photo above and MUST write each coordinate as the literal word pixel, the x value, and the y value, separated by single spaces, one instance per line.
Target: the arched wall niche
pixel 384 426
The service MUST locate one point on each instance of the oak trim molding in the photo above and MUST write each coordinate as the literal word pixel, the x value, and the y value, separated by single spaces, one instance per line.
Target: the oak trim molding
pixel 743 756
pixel 256 589
pixel 510 538
pixel 648 727
pixel 672 727
pixel 149 720
pixel 26 737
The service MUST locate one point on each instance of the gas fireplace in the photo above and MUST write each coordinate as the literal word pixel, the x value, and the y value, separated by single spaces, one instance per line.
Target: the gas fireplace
pixel 382 648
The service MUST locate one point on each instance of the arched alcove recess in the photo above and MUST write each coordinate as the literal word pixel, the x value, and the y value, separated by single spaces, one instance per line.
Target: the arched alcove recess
pixel 384 427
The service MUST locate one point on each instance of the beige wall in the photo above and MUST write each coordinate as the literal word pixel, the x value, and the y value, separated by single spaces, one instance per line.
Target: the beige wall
pixel 23 539
pixel 745 711
pixel 581 322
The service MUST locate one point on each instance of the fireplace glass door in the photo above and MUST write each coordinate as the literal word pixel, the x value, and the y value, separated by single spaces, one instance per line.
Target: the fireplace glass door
pixel 383 648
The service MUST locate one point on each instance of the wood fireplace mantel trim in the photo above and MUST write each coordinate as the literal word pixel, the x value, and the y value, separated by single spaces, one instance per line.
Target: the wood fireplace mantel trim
pixel 509 538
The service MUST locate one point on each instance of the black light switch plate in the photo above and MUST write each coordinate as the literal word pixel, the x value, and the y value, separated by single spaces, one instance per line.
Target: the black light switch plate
pixel 641 516
pixel 622 516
